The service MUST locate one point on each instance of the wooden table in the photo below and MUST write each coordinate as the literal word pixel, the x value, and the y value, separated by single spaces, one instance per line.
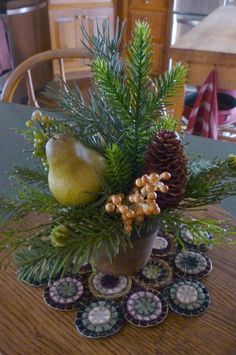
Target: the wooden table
pixel 211 44
pixel 28 326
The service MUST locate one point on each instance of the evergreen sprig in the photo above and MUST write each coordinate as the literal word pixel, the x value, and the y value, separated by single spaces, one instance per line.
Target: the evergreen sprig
pixel 24 174
pixel 100 42
pixel 139 69
pixel 87 238
pixel 112 86
pixel 118 178
pixel 174 221
pixel 208 183
pixel 169 85
pixel 127 104
pixel 120 116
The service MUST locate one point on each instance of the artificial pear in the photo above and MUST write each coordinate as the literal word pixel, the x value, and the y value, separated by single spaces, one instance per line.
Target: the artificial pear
pixel 74 170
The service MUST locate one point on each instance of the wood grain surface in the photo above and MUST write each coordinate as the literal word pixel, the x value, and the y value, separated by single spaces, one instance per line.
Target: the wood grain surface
pixel 216 33
pixel 28 326
pixel 211 44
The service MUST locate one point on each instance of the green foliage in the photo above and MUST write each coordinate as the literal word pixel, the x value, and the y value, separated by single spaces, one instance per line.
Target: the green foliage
pixel 175 220
pixel 139 68
pixel 32 195
pixel 112 87
pixel 85 241
pixel 101 44
pixel 26 175
pixel 126 105
pixel 93 124
pixel 232 161
pixel 8 209
pixel 119 179
pixel 208 183
pixel 167 123
pixel 169 85
pixel 120 116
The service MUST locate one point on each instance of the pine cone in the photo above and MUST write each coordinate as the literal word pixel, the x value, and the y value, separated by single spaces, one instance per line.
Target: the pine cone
pixel 166 153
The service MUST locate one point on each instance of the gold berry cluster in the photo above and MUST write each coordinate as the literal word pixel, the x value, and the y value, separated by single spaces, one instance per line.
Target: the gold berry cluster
pixel 43 127
pixel 140 202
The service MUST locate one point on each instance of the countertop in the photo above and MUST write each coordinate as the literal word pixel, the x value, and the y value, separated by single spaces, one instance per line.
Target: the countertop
pixel 216 33
pixel 210 45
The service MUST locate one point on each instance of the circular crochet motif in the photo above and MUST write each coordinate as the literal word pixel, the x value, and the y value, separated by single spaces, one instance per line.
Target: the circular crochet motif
pixel 109 286
pixel 160 243
pixel 144 307
pixel 192 263
pixel 65 293
pixel 187 297
pixel 189 239
pixel 164 245
pixel 100 318
pixel 156 273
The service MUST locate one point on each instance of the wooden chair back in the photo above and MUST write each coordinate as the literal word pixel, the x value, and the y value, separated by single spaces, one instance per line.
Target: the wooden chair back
pixel 24 70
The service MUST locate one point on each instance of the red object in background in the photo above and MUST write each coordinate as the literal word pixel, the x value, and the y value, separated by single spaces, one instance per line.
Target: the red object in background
pixel 203 119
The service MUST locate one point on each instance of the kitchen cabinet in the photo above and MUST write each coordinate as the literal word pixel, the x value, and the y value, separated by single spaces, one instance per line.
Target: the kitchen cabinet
pixel 66 19
pixel 158 13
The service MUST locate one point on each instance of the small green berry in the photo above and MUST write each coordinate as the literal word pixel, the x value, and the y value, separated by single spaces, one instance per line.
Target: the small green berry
pixel 51 122
pixel 232 161
pixel 38 135
pixel 45 120
pixel 59 236
pixel 29 124
pixel 37 145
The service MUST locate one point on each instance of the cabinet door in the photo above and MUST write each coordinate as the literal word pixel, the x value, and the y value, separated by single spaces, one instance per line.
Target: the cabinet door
pixel 156 20
pixel 95 18
pixel 65 26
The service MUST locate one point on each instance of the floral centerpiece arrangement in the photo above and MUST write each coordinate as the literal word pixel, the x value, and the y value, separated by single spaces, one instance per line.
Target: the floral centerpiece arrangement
pixel 111 170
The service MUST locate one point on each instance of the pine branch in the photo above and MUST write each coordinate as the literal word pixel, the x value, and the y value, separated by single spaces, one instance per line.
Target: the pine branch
pixel 136 139
pixel 30 176
pixel 20 234
pixel 118 169
pixel 174 221
pixel 169 85
pixel 139 67
pixel 31 199
pixel 119 119
pixel 83 245
pixel 8 209
pixel 113 88
pixel 93 124
pixel 166 123
pixel 101 44
pixel 137 133
pixel 208 183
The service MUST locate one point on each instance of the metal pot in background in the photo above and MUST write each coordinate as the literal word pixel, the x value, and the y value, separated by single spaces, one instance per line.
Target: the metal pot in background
pixel 189 13
pixel 28 32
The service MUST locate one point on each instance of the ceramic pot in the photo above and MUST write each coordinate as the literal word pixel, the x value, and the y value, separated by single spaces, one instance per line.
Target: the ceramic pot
pixel 131 260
